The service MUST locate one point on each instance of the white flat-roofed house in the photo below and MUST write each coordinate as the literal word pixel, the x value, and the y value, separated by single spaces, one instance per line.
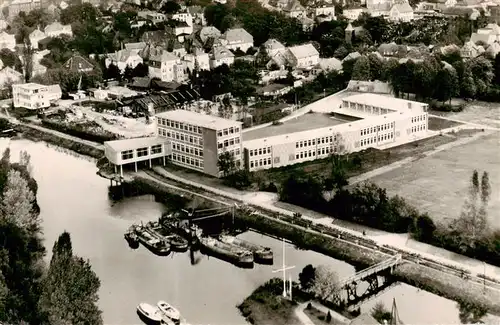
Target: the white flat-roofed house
pixel 36 36
pixel 56 29
pixel 198 139
pixel 35 96
pixel 237 39
pixel 133 151
pixel 374 121
pixel 124 58
pixel 302 56
pixel 166 66
pixel 220 55
pixel 7 41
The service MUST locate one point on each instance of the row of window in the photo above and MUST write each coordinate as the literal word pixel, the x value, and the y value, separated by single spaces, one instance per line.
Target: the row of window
pixel 187 149
pixel 313 142
pixel 181 137
pixel 197 163
pixel 418 118
pixel 260 151
pixel 418 128
pixel 373 140
pixel 228 142
pixel 141 152
pixel 374 129
pixel 260 162
pixel 180 126
pixel 228 131
pixel 235 152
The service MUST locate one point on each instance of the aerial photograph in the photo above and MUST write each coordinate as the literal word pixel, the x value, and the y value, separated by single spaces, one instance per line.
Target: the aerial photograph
pixel 249 162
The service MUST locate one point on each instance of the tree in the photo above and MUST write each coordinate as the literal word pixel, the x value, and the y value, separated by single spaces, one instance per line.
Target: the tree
pixel 468 85
pixel 380 313
pixel 226 163
pixel 361 69
pixel 170 7
pixel 70 288
pixel 112 72
pixel 325 283
pixel 328 317
pixel 307 277
pixel 140 70
pixel 17 202
pixel 447 84
pixel 376 67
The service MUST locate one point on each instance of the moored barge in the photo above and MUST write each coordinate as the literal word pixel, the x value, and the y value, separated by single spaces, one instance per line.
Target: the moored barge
pixel 155 245
pixel 261 254
pixel 228 252
pixel 176 242
pixel 131 238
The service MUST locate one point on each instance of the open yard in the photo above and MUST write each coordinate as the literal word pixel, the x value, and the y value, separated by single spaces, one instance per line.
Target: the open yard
pixel 483 113
pixel 437 184
pixel 436 123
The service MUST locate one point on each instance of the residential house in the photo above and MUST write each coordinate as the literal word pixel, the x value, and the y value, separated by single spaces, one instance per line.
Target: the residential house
pixel 7 41
pixel 197 14
pixel 56 29
pixel 237 39
pixel 79 64
pixel 198 60
pixel 16 6
pixel 184 17
pixel 447 3
pixel 401 12
pixel 487 35
pixel 220 55
pixel 324 13
pixel 388 49
pixel 279 60
pixel 9 76
pixel 302 56
pixel 469 3
pixel 35 96
pixel 471 50
pixel 124 58
pixel 167 67
pixel 351 56
pixel 138 46
pixel 445 50
pixel 181 30
pixel 493 50
pixel 353 13
pixel 153 16
pixel 35 36
pixel 209 32
pixel 294 9
pixel 273 46
pixel 329 64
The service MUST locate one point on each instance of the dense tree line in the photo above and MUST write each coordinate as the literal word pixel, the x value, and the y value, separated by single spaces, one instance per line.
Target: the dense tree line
pixel 65 292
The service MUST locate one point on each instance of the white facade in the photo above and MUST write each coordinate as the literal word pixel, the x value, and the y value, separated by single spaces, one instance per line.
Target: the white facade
pixel 199 59
pixel 132 151
pixel 302 56
pixel 237 38
pixel 167 67
pixel 7 41
pixel 352 14
pixel 124 58
pixel 401 12
pixel 35 37
pixel 327 11
pixel 219 56
pixel 185 17
pixel 35 96
pixel 56 29
pixel 385 121
pixel 198 140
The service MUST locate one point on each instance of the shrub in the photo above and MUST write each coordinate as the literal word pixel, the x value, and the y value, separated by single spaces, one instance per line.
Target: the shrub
pixel 328 317
pixel 309 306
pixel 79 131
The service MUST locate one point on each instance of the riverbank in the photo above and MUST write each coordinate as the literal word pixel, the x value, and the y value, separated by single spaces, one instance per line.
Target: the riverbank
pixel 36 134
pixel 443 280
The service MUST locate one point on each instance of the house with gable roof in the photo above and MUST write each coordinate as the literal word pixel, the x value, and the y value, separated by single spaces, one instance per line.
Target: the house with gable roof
pixel 493 50
pixel 487 35
pixel 401 12
pixel 294 9
pixel 124 58
pixel 197 14
pixel 237 38
pixel 36 36
pixel 56 29
pixel 220 55
pixel 471 50
pixel 209 32
pixel 166 66
pixel 79 64
pixel 324 13
pixel 198 59
pixel 302 56
pixel 273 46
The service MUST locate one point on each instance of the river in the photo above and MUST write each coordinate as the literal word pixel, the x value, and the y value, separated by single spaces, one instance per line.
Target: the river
pixel 73 198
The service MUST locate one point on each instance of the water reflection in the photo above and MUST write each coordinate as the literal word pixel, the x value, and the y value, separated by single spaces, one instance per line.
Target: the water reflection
pixel 73 198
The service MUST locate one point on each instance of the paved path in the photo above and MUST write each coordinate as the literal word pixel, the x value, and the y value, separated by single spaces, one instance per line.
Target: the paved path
pixel 299 312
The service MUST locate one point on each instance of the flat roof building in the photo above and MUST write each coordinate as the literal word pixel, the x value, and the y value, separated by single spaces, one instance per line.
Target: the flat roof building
pixel 197 139
pixel 133 151
pixel 363 121
pixel 35 96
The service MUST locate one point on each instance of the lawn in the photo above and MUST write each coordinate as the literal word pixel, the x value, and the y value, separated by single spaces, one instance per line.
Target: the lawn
pixel 319 318
pixel 437 124
pixel 438 184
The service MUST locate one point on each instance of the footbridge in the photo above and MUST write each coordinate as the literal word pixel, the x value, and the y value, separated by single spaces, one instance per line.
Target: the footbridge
pixel 367 283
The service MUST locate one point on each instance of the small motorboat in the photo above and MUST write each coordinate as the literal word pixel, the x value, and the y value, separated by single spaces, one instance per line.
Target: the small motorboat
pixel 131 237
pixel 149 314
pixel 169 310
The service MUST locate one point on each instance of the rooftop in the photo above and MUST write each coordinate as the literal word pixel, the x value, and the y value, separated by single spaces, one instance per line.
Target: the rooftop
pixel 30 85
pixel 198 119
pixel 306 122
pixel 391 103
pixel 130 144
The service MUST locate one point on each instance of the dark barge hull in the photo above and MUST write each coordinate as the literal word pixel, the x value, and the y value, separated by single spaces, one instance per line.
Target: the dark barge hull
pixel 225 256
pixel 154 250
pixel 132 243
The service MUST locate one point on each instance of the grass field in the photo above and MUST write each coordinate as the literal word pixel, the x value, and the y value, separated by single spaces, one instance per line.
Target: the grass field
pixel 438 184
pixel 436 123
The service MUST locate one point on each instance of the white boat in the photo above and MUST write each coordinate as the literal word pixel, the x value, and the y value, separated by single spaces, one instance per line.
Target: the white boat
pixel 151 314
pixel 168 310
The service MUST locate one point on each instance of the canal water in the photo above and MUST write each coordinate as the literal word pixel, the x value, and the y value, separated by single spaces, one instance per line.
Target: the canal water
pixel 73 198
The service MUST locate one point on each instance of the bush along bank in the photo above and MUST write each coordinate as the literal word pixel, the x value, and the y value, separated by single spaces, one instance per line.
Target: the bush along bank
pixel 78 131
pixel 37 135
